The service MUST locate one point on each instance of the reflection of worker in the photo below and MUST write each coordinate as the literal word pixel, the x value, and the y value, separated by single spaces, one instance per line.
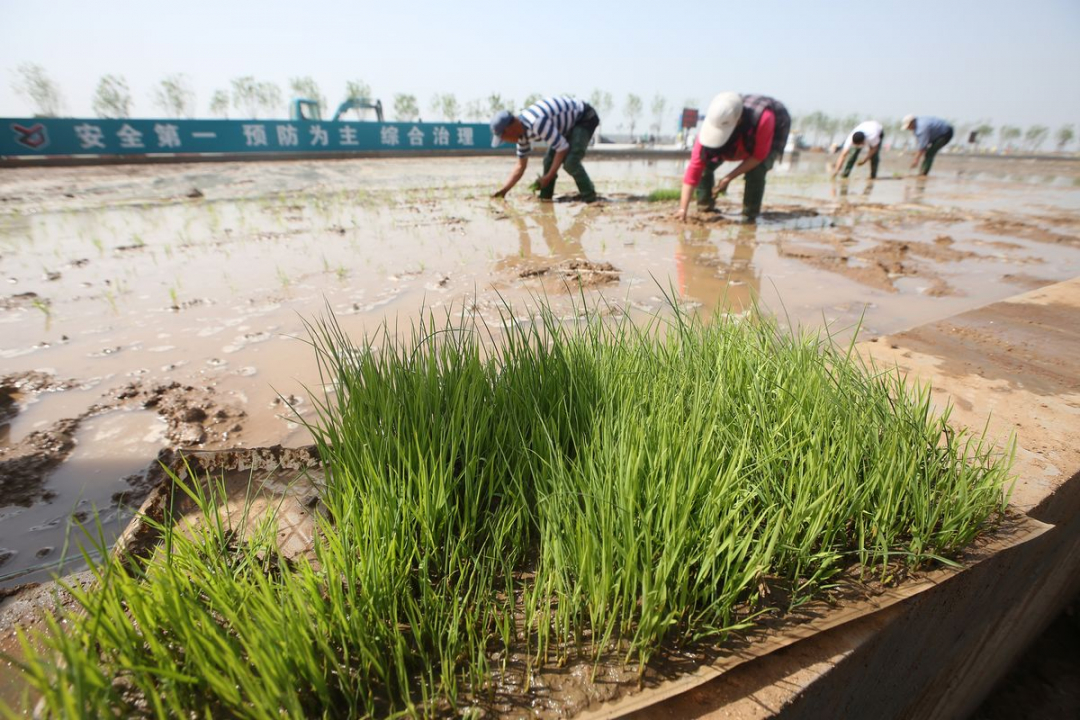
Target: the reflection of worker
pixel 734 284
pixel 750 128
pixel 566 125
pixel 869 135
pixel 561 246
pixel 931 134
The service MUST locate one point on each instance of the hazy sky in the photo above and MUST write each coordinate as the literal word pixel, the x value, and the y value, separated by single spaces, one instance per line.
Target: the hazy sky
pixel 1006 61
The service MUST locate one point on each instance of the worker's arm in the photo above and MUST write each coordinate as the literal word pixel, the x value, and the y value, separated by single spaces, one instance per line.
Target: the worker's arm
pixel 871 152
pixel 684 201
pixel 840 161
pixel 741 169
pixel 555 165
pixel 918 158
pixel 519 171
pixel 694 170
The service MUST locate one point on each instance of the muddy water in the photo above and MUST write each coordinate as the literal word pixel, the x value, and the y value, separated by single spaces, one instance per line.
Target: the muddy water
pixel 89 484
pixel 112 278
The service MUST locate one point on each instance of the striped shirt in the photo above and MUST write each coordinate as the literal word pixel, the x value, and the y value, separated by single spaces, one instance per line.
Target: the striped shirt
pixel 549 121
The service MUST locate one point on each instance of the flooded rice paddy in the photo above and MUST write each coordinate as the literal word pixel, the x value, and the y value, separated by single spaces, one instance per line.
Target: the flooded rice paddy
pixel 148 307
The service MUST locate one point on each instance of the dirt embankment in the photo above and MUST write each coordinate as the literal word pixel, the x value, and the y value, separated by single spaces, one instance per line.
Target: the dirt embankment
pixel 194 417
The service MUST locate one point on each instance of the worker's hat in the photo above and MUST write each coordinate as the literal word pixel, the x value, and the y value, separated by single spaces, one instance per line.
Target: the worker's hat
pixel 720 119
pixel 499 123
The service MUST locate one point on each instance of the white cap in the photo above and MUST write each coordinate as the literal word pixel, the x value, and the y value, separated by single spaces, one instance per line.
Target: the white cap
pixel 720 119
pixel 908 122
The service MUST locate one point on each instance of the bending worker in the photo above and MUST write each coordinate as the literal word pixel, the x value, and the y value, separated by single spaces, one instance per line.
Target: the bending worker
pixel 750 128
pixel 931 134
pixel 566 125
pixel 868 134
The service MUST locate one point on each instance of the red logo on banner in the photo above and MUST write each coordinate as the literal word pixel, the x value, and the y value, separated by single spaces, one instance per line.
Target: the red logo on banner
pixel 34 137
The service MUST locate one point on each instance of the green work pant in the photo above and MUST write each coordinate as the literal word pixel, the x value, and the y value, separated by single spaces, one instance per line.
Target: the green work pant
pixel 579 143
pixel 753 192
pixel 932 150
pixel 853 155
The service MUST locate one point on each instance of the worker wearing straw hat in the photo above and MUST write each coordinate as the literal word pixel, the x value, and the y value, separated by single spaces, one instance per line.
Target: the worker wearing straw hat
pixel 931 134
pixel 749 128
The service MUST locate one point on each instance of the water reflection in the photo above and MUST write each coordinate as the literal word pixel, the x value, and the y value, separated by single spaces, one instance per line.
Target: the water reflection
pixel 841 189
pixel 703 275
pixel 561 245
pixel 915 191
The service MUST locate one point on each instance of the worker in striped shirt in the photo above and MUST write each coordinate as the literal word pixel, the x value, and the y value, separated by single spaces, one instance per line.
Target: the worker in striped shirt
pixel 566 125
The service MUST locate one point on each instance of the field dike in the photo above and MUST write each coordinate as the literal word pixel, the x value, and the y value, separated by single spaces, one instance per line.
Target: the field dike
pixel 530 527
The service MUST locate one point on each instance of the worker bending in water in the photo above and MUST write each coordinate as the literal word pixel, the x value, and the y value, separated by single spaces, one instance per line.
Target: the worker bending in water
pixel 566 125
pixel 869 135
pixel 931 134
pixel 751 129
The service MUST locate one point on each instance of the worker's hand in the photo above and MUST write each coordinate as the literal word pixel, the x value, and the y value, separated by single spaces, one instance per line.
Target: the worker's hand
pixel 499 193
pixel 679 215
pixel 721 187
pixel 863 161
pixel 545 180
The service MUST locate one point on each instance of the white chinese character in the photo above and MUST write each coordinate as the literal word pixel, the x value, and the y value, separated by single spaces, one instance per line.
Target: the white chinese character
pixel 168 136
pixel 254 135
pixel 129 137
pixel 440 136
pixel 287 135
pixel 416 136
pixel 319 136
pixel 464 136
pixel 90 136
pixel 389 135
pixel 347 135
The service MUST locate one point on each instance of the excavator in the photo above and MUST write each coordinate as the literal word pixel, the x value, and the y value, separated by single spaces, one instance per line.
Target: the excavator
pixel 307 109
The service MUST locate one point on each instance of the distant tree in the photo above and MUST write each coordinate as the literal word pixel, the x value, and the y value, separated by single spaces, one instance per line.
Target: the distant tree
pixel 245 96
pixel 831 126
pixel 306 88
pixel 632 111
pixel 1064 135
pixel 603 103
pixel 269 96
pixel 112 99
pixel 174 96
pixel 475 110
pixel 531 99
pixel 1035 136
pixel 1008 133
pixel 982 130
pixel 219 104
pixel 495 103
pixel 33 83
pixel 405 108
pixel 659 105
pixel 848 123
pixel 446 106
pixel 358 89
pixel 814 123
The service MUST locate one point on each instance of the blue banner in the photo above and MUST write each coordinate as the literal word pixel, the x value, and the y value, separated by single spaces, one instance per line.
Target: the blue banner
pixel 67 136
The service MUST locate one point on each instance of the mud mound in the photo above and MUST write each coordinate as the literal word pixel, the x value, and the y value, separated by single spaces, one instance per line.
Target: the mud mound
pixel 578 272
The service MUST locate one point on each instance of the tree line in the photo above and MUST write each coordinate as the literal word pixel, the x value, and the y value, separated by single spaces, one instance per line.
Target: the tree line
pixel 248 97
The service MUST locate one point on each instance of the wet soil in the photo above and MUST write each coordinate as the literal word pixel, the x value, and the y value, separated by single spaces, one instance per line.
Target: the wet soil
pixel 166 304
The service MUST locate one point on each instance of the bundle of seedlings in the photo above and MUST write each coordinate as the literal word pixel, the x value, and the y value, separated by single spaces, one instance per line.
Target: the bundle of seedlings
pixel 498 505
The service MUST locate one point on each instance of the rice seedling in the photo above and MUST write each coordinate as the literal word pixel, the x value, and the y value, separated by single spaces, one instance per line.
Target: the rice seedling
pixel 564 494
pixel 664 195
